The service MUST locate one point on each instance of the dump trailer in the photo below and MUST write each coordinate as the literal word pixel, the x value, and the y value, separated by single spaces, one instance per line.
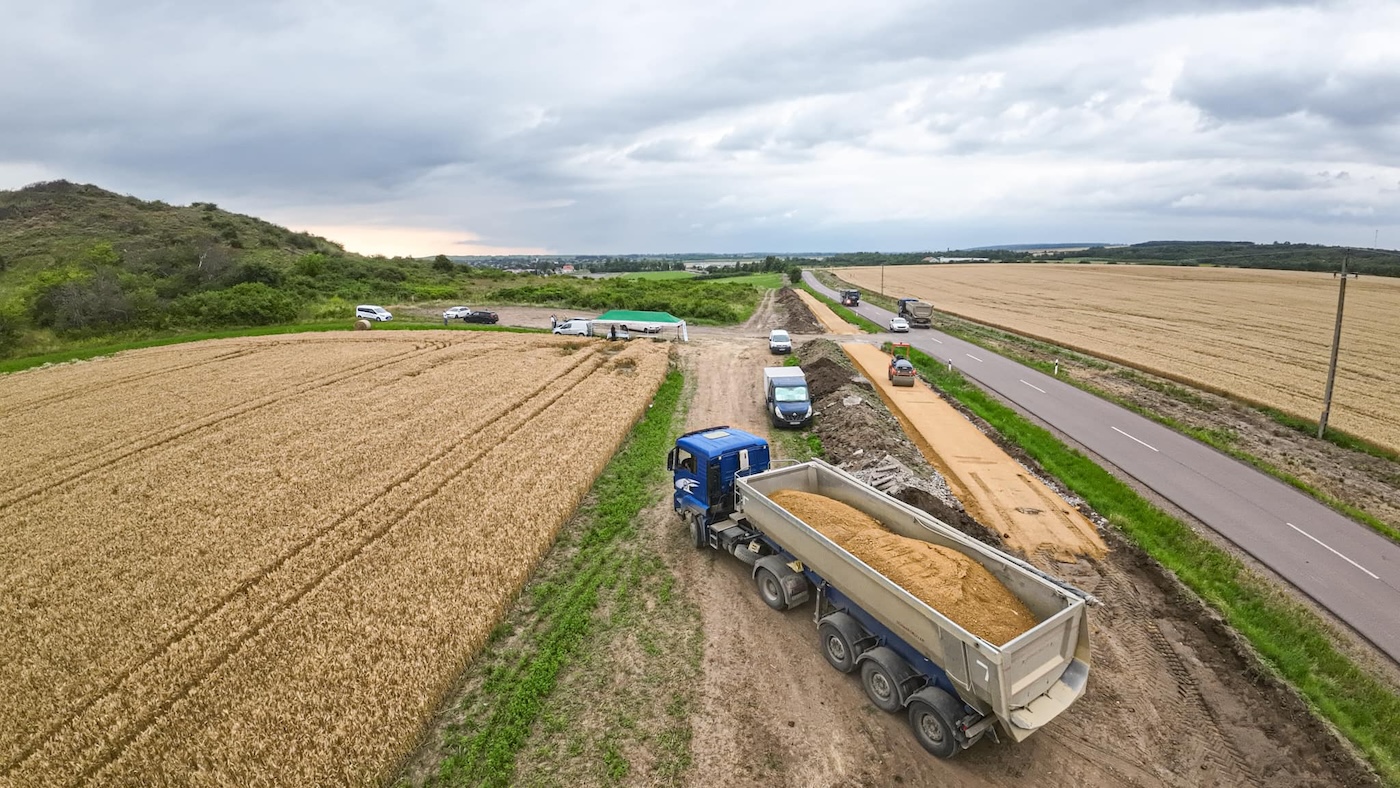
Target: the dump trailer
pixel 918 313
pixel 954 687
pixel 850 298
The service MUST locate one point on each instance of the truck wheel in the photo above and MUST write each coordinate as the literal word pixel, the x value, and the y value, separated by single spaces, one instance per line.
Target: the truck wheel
pixel 836 647
pixel 932 728
pixel 880 686
pixel 698 537
pixel 771 589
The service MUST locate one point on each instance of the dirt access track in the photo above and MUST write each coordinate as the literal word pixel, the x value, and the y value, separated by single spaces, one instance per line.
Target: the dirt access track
pixel 1169 703
pixel 996 490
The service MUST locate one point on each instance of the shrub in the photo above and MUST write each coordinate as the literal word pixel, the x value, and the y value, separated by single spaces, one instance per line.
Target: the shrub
pixel 247 304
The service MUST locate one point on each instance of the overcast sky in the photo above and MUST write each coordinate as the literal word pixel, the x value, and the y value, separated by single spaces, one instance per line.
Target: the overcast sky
pixel 426 126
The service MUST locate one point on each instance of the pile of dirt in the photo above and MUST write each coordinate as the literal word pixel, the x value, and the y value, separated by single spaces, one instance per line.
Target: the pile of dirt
pixel 943 578
pixel 799 319
pixel 825 376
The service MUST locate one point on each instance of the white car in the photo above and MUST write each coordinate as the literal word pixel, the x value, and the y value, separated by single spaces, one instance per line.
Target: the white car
pixel 779 341
pixel 899 325
pixel 456 313
pixel 371 312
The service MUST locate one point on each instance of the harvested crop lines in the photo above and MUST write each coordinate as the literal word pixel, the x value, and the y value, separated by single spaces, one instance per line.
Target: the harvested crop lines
pixel 283 594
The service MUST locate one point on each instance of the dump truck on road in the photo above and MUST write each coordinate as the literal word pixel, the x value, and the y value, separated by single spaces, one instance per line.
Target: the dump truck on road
pixel 850 298
pixel 918 313
pixel 953 686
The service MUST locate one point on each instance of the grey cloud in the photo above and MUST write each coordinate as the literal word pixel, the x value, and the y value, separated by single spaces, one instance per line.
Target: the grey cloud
pixel 420 111
pixel 1271 180
pixel 1348 99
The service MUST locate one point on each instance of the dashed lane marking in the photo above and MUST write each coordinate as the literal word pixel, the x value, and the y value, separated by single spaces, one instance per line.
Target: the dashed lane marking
pixel 1373 575
pixel 1139 440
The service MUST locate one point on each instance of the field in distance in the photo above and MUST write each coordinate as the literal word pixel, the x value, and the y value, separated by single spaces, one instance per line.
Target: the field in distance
pixel 1264 336
pixel 265 560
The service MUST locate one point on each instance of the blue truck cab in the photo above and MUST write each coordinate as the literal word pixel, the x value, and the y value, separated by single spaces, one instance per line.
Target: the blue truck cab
pixel 704 464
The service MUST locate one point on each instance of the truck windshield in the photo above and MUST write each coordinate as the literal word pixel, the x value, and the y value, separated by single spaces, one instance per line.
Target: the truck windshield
pixel 790 394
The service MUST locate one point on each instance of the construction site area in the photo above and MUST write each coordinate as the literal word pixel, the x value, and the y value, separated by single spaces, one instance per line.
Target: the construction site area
pixel 490 584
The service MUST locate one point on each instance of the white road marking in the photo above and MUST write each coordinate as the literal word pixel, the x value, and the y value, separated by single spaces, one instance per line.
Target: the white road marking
pixel 974 358
pixel 1037 388
pixel 1373 575
pixel 939 341
pixel 1145 443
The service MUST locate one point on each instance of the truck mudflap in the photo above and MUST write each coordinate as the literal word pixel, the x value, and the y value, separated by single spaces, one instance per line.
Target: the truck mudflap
pixel 1048 705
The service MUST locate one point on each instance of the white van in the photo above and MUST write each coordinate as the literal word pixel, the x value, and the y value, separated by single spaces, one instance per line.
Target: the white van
pixel 779 341
pixel 575 326
pixel 371 312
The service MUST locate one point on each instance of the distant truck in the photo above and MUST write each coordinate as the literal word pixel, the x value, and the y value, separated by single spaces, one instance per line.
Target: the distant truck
pixel 953 686
pixel 918 313
pixel 788 399
pixel 850 298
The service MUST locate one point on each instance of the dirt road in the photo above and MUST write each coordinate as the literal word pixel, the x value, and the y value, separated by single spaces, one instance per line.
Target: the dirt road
pixel 1169 702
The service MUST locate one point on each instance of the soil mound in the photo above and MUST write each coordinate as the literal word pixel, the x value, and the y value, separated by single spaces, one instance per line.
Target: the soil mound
pixel 799 318
pixel 944 579
pixel 825 376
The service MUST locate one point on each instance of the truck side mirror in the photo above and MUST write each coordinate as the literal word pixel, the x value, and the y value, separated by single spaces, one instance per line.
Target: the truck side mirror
pixel 671 460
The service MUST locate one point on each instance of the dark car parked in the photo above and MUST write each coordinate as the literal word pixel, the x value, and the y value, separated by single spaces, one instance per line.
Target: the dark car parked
pixel 480 316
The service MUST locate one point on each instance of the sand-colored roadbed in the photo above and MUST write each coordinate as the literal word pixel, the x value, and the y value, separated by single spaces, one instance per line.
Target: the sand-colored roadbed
pixel 993 487
pixel 823 313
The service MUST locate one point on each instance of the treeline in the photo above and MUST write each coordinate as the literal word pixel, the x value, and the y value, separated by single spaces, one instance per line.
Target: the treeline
pixel 622 265
pixel 768 265
pixel 918 258
pixel 1245 254
pixel 717 302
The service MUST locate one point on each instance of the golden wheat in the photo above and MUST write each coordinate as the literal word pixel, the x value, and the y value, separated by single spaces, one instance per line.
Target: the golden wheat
pixel 283 594
pixel 1263 336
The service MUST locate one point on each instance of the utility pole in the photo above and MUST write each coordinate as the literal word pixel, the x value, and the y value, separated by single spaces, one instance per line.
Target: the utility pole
pixel 882 280
pixel 1336 345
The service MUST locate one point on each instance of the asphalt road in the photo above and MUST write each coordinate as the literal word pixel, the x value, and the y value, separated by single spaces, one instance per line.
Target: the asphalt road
pixel 1342 565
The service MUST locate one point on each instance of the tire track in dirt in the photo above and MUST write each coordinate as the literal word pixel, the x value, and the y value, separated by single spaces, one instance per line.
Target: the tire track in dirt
pixel 1207 752
pixel 763 316
pixel 98 460
pixel 204 666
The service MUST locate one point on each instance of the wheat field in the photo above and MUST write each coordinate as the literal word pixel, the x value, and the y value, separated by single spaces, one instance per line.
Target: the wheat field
pixel 1263 336
pixel 264 561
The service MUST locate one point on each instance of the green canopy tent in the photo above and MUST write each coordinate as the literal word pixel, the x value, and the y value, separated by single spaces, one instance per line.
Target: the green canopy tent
pixel 635 320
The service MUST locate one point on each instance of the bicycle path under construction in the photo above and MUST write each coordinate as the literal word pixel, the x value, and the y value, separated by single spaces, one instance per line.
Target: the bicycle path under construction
pixel 993 487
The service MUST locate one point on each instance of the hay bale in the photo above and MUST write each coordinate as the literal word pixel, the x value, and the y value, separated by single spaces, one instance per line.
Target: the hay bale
pixel 941 577
pixel 362 325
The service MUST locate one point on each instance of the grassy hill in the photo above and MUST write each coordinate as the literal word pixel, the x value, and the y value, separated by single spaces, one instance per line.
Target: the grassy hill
pixel 80 264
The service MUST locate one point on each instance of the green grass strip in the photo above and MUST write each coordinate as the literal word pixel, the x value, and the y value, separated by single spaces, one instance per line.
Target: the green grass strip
pixel 868 326
pixel 626 486
pixel 80 353
pixel 1289 638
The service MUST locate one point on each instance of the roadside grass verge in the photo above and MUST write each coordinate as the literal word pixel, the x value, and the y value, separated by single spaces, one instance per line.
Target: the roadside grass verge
pixel 514 695
pixel 868 326
pixel 1007 345
pixel 1289 639
pixel 81 353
